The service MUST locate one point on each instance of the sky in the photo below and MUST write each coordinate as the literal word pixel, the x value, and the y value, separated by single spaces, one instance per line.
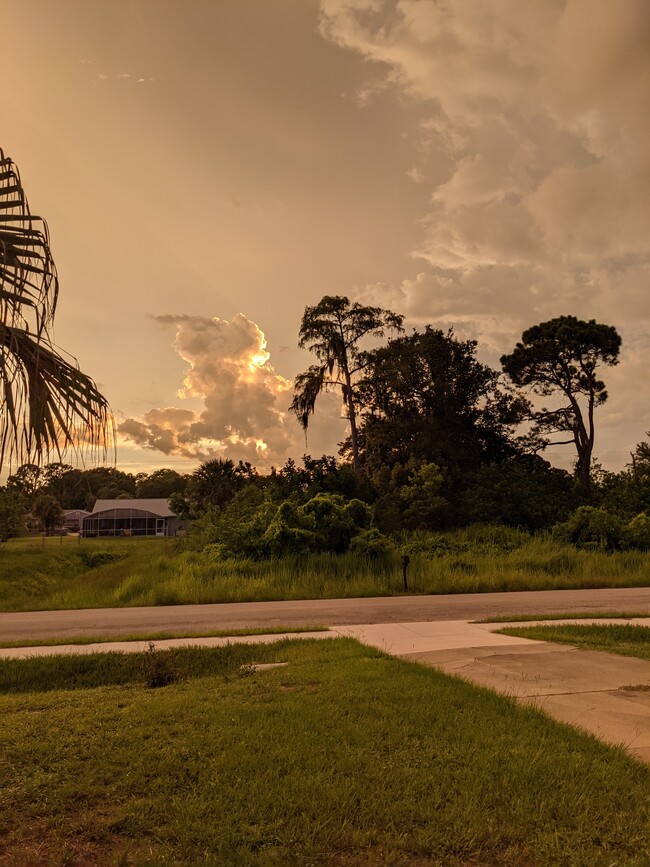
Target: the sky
pixel 208 169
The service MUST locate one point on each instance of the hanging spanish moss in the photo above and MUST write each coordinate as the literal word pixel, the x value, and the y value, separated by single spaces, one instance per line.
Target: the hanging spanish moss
pixel 47 405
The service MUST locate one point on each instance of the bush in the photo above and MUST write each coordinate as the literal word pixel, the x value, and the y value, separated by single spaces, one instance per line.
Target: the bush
pixel 371 544
pixel 94 559
pixel 589 527
pixel 411 497
pixel 637 532
pixel 523 492
pixel 290 532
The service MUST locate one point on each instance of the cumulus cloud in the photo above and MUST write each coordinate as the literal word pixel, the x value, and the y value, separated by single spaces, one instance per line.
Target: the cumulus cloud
pixel 532 130
pixel 244 399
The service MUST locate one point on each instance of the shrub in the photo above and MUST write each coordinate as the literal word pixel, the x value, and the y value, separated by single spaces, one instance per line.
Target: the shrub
pixel 589 527
pixel 94 559
pixel 371 544
pixel 290 532
pixel 637 532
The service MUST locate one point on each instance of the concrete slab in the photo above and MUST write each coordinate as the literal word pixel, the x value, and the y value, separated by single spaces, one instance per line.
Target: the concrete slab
pixel 585 688
pixel 553 669
pixel 620 717
pixel 400 639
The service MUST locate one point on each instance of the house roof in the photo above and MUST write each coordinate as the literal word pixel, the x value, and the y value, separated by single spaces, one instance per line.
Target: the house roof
pixel 75 513
pixel 158 507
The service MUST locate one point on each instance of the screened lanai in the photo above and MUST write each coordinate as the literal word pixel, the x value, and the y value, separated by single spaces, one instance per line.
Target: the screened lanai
pixel 130 518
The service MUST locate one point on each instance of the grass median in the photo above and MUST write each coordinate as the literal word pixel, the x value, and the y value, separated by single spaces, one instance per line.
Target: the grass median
pixel 622 638
pixel 563 615
pixel 160 636
pixel 343 756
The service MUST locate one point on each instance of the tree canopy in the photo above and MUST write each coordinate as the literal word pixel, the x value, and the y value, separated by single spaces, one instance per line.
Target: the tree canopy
pixel 332 330
pixel 562 357
pixel 426 396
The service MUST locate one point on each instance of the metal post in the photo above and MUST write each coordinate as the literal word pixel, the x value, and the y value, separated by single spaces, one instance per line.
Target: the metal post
pixel 405 563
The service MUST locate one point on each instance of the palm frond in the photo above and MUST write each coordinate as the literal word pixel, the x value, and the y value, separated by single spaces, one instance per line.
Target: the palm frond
pixel 47 404
pixel 28 276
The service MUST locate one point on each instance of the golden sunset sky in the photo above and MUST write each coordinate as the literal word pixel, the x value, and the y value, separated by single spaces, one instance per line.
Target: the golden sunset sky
pixel 209 167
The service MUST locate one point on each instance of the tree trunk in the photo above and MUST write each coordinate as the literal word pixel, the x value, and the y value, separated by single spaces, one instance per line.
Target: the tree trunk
pixel 354 439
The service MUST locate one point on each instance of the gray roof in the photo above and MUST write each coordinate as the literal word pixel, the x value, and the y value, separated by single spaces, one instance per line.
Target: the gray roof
pixel 75 513
pixel 158 507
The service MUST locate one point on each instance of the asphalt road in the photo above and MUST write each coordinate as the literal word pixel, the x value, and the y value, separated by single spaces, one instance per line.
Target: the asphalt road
pixel 327 612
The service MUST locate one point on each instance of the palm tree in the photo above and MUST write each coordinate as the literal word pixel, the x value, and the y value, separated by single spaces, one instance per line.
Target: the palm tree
pixel 47 404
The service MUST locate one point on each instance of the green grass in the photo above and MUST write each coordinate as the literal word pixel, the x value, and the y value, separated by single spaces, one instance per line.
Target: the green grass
pixel 523 618
pixel 623 639
pixel 345 756
pixel 161 636
pixel 97 573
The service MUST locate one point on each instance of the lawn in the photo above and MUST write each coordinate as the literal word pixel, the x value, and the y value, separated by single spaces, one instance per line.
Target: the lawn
pixel 97 573
pixel 563 615
pixel 624 639
pixel 159 636
pixel 344 756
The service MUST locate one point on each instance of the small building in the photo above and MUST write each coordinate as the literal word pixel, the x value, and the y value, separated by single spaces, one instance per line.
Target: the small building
pixel 132 518
pixel 73 519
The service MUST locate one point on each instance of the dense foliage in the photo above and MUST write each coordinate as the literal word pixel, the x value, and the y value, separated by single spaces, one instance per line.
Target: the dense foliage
pixel 438 440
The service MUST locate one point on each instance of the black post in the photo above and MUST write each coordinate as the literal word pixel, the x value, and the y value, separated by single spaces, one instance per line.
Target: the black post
pixel 405 562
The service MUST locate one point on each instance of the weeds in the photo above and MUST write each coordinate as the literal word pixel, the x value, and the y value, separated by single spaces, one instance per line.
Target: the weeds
pixel 156 572
pixel 157 668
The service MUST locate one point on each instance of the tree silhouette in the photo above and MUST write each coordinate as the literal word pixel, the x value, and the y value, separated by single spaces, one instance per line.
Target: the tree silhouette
pixel 46 403
pixel 562 355
pixel 215 483
pixel 332 331
pixel 427 396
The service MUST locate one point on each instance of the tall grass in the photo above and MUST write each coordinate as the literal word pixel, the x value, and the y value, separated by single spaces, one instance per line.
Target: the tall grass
pixel 135 572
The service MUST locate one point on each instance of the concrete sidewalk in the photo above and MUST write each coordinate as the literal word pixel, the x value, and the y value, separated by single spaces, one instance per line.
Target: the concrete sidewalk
pixel 605 694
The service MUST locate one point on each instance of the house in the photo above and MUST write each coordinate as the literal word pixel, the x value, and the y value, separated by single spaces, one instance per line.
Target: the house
pixel 132 518
pixel 73 519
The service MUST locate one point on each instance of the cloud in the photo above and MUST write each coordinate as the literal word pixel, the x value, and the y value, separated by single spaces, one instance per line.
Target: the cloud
pixel 531 130
pixel 244 399
pixel 120 76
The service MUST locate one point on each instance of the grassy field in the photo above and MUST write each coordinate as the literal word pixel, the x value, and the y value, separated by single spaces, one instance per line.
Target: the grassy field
pixel 624 639
pixel 67 573
pixel 344 756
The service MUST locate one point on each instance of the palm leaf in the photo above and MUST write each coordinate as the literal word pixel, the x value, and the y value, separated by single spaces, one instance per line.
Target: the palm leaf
pixel 46 403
